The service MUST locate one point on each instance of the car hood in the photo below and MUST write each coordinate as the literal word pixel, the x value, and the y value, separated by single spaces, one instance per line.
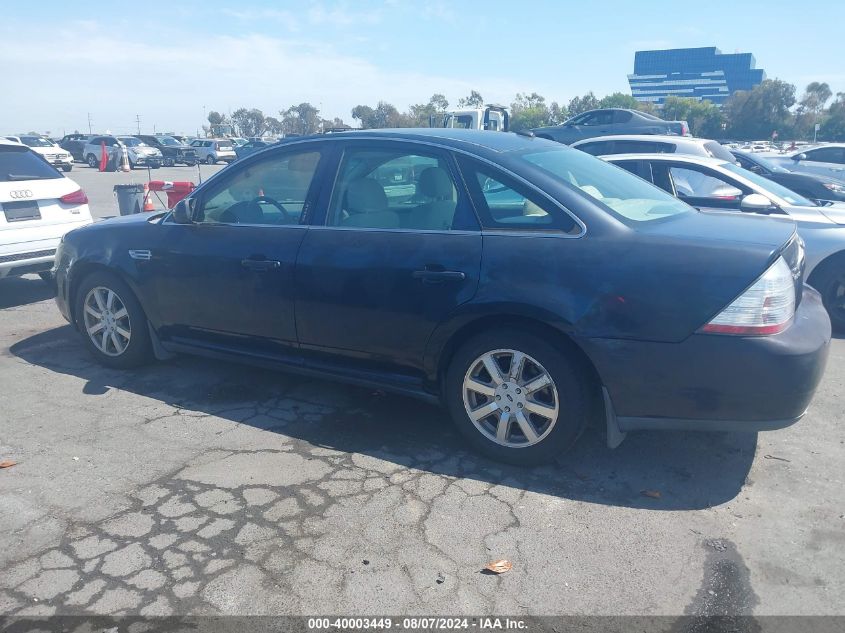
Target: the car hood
pixel 48 150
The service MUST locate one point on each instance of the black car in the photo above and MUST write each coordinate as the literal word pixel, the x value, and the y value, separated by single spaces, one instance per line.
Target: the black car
pixel 808 185
pixel 75 144
pixel 174 152
pixel 527 286
pixel 607 121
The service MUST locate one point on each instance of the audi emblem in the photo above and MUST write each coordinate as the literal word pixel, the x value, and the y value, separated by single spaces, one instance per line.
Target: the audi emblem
pixel 20 194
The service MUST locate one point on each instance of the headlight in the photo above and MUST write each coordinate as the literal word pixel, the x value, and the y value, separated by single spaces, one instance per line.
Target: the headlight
pixel 834 186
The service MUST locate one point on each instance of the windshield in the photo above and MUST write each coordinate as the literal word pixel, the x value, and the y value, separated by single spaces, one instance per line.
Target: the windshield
pixel 765 184
pixel 717 150
pixel 131 141
pixel 623 193
pixel 18 163
pixel 36 141
pixel 168 140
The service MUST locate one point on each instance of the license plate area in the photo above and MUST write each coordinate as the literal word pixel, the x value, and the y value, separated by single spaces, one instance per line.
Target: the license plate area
pixel 21 211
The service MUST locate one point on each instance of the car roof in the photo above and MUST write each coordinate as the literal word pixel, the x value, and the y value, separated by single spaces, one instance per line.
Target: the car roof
pixel 667 138
pixel 470 140
pixel 684 158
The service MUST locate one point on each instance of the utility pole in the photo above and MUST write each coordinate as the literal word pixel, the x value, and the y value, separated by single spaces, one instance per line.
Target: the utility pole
pixel 90 130
pixel 138 122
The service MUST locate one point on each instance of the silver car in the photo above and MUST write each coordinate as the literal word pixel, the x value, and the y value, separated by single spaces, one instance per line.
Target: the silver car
pixel 139 153
pixel 711 184
pixel 653 144
pixel 823 160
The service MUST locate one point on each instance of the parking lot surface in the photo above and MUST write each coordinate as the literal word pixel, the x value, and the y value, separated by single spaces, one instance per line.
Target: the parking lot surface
pixel 195 487
pixel 99 186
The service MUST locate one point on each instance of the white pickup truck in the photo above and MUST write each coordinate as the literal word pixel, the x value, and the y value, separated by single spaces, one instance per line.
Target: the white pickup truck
pixel 491 117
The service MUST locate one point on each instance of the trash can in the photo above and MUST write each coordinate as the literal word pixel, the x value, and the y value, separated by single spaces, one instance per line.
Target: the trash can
pixel 177 192
pixel 130 198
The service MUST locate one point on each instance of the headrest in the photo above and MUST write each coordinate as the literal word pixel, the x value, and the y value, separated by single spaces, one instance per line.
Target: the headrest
pixel 435 183
pixel 365 195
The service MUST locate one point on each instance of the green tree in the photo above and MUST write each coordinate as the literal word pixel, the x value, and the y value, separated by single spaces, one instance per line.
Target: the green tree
pixel 704 118
pixel 301 119
pixel 833 127
pixel 811 108
pixel 383 115
pixel 757 113
pixel 420 113
pixel 577 105
pixel 216 118
pixel 619 100
pixel 474 100
pixel 249 122
pixel 273 125
pixel 531 111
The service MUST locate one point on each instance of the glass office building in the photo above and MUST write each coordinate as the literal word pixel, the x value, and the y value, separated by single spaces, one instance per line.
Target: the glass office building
pixel 700 73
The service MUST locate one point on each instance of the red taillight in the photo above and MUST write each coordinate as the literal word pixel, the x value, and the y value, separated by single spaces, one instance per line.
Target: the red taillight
pixel 767 307
pixel 76 197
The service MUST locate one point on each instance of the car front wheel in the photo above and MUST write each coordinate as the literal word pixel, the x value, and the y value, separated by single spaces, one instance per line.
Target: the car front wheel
pixel 112 321
pixel 67 168
pixel 516 398
pixel 92 161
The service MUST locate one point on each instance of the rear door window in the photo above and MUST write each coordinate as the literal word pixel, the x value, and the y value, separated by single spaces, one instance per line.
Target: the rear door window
pixel 507 204
pixel 827 155
pixel 21 163
pixel 597 148
pixel 621 116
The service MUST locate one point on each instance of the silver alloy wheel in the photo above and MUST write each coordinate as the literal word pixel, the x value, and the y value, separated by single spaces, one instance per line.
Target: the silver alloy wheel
pixel 510 398
pixel 107 321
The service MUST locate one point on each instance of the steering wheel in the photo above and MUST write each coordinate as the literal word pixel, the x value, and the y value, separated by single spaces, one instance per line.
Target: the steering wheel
pixel 276 204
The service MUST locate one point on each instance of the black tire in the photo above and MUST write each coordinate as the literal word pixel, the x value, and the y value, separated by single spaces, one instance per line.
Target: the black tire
pixel 210 160
pixel 570 380
pixel 139 349
pixel 830 282
pixel 169 162
pixel 92 161
pixel 67 168
pixel 47 278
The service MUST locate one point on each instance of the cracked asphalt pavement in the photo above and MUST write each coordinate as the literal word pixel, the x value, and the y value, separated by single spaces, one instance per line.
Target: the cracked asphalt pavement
pixel 197 487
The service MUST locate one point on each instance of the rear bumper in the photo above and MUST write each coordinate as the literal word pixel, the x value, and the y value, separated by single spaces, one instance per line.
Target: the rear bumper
pixel 719 383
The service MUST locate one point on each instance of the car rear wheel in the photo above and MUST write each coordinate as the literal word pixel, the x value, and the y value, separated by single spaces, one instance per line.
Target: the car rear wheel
pixel 92 161
pixel 210 159
pixel 112 322
pixel 830 282
pixel 516 398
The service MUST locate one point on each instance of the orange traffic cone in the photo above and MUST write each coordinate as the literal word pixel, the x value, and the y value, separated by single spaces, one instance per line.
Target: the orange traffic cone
pixel 148 199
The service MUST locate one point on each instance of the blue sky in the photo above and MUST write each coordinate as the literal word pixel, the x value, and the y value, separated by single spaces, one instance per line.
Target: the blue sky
pixel 169 62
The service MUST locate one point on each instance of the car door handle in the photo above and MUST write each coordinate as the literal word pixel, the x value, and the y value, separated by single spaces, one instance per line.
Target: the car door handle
pixel 434 276
pixel 260 265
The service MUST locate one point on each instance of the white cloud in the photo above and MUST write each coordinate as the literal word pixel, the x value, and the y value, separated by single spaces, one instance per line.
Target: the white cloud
pixel 116 75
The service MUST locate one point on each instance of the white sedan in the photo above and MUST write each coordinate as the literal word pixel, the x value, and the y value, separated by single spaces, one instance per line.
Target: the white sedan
pixel 38 205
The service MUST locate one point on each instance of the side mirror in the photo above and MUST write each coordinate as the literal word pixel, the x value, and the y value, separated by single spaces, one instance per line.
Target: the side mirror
pixel 183 211
pixel 798 157
pixel 755 203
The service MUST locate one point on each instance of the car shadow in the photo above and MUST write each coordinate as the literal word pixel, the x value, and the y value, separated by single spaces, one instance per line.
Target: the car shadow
pixel 19 291
pixel 652 470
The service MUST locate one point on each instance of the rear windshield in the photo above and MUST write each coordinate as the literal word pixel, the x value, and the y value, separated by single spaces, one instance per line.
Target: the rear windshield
pixel 21 163
pixel 227 146
pixel 717 150
pixel 626 195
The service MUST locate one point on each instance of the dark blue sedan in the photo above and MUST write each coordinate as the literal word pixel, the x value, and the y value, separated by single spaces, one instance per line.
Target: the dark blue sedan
pixel 528 287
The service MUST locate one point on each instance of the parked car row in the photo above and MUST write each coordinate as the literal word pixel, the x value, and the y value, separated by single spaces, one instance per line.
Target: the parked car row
pixel 142 149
